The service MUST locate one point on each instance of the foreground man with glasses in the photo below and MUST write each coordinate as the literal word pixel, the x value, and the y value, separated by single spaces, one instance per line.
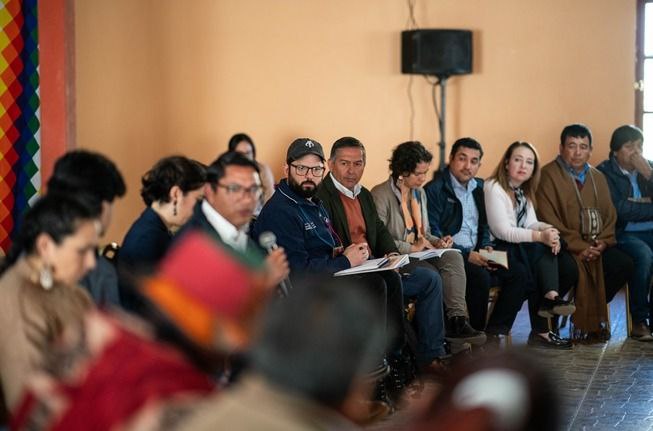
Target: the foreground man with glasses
pixel 231 193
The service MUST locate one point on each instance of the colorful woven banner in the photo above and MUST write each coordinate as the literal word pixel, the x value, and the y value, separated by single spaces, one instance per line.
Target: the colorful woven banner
pixel 20 139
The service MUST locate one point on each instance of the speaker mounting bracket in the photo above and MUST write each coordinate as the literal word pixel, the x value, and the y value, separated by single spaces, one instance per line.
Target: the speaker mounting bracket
pixel 441 114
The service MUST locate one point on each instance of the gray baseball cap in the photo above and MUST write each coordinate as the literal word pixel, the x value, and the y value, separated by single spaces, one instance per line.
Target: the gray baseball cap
pixel 303 146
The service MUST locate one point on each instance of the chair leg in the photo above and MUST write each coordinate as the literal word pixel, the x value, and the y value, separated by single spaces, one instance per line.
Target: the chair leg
pixel 493 297
pixel 563 321
pixel 571 295
pixel 629 318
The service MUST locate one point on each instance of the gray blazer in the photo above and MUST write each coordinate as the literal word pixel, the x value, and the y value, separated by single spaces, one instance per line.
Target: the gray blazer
pixel 389 209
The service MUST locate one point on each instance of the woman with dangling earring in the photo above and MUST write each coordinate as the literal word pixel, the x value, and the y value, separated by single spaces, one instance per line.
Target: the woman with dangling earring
pixel 40 299
pixel 510 205
pixel 170 191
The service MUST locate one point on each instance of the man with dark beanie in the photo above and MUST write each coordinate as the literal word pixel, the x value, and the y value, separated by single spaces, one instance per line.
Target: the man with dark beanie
pixel 630 178
pixel 92 174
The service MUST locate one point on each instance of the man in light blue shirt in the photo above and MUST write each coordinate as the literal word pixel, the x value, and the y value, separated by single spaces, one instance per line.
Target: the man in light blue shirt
pixel 456 209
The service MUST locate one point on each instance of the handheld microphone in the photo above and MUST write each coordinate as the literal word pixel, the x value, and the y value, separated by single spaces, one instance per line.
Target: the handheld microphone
pixel 268 240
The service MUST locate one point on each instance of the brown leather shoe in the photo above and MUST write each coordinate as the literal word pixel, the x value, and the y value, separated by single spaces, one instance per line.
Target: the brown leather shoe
pixel 641 332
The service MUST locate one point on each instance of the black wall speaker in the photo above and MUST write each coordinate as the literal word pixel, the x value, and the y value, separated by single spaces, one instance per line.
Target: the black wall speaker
pixel 436 52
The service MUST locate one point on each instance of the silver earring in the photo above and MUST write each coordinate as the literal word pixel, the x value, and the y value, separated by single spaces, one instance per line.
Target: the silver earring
pixel 174 208
pixel 45 278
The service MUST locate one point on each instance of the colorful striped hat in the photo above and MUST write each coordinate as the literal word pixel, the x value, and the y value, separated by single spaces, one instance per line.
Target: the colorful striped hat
pixel 205 291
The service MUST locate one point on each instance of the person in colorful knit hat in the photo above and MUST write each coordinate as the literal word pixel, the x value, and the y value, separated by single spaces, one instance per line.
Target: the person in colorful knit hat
pixel 304 377
pixel 117 371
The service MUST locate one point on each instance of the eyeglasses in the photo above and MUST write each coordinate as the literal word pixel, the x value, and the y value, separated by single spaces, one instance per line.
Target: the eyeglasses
pixel 302 170
pixel 239 191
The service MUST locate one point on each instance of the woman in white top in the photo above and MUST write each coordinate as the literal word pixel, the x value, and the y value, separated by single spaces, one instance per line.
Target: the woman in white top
pixel 509 199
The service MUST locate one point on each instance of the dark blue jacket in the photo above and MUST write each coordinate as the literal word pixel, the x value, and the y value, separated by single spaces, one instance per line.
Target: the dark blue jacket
pixel 621 190
pixel 102 283
pixel 446 212
pixel 146 242
pixel 302 229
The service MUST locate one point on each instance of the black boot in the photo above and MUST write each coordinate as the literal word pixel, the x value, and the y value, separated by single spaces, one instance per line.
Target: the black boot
pixel 460 331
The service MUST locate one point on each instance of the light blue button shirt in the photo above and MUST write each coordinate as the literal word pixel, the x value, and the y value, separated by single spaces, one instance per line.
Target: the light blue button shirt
pixel 468 233
pixel 578 176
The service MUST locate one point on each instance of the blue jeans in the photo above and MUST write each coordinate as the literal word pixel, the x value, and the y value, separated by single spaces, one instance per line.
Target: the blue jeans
pixel 425 285
pixel 639 246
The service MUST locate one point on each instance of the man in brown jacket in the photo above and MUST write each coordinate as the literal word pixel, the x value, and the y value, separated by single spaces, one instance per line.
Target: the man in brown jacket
pixel 575 198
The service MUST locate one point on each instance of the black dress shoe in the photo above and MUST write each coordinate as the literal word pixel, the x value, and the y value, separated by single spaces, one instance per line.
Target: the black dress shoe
pixel 553 342
pixel 555 307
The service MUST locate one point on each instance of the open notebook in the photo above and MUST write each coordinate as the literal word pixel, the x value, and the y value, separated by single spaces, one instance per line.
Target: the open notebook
pixel 373 265
pixel 495 258
pixel 432 252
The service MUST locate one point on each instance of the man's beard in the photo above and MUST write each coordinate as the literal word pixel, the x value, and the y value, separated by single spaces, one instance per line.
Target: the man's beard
pixel 300 190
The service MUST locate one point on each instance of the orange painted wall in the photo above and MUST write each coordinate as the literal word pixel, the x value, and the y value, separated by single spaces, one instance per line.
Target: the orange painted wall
pixel 156 77
pixel 56 36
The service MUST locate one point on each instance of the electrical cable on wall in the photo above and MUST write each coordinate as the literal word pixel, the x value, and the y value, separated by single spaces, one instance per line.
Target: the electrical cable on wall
pixel 411 103
pixel 434 85
pixel 411 24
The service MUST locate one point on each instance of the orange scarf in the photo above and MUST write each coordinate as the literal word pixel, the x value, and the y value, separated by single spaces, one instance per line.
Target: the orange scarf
pixel 412 212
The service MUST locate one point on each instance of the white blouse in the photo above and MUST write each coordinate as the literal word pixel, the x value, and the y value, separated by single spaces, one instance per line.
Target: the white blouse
pixel 502 218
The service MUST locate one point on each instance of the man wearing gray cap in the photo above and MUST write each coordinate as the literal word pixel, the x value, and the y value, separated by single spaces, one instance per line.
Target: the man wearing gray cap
pixel 298 219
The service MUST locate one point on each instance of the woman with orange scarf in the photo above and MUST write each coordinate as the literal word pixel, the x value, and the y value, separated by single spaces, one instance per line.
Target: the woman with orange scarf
pixel 401 204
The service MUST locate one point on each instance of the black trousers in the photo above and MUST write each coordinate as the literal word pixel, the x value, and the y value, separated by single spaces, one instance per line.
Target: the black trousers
pixel 617 268
pixel 479 281
pixel 385 287
pixel 559 273
pixel 545 272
